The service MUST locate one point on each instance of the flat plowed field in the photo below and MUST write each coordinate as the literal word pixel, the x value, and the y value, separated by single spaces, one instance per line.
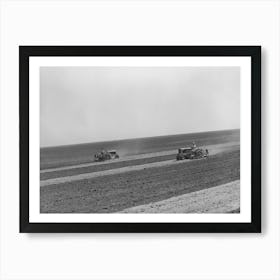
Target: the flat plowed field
pixel 116 192
pixel 221 199
pixel 103 167
pixel 58 157
pixel 136 160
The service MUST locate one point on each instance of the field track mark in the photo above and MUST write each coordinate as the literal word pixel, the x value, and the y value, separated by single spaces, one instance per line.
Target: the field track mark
pixel 113 193
pixel 213 149
pixel 130 158
pixel 220 199
pixel 55 181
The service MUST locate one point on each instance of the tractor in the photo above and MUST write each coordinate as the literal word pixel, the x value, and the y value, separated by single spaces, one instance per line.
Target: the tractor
pixel 106 155
pixel 191 153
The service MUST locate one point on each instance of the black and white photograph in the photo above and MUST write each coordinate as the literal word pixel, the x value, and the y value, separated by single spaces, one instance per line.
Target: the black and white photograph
pixel 140 135
pixel 140 140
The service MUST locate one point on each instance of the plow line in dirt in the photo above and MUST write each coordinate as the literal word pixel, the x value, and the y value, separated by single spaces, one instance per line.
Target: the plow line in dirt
pixel 220 199
pixel 120 170
pixel 213 149
pixel 130 158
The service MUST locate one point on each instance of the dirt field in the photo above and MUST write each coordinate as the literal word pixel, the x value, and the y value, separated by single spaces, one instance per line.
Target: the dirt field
pixel 107 193
pixel 147 160
pixel 221 199
pixel 58 157
pixel 109 165
pixel 145 178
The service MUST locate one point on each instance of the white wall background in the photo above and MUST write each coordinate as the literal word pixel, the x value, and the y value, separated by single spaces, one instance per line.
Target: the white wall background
pixel 124 256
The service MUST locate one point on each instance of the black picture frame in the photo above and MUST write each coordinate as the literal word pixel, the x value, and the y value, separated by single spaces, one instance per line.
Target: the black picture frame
pixel 25 52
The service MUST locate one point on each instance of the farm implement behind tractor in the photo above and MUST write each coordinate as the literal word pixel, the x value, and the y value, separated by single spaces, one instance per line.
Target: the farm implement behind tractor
pixel 106 155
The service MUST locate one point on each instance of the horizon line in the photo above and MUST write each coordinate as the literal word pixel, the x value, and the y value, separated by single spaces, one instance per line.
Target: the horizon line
pixel 123 139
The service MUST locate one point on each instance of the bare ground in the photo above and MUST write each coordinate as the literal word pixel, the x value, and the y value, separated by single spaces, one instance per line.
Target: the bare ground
pixel 127 158
pixel 57 157
pixel 116 192
pixel 221 199
pixel 61 175
pixel 107 165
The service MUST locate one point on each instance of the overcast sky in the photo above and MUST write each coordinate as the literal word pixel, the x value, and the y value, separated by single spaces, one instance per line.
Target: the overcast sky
pixel 90 104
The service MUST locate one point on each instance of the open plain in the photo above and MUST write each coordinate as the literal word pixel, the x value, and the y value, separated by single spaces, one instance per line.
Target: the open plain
pixel 146 179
